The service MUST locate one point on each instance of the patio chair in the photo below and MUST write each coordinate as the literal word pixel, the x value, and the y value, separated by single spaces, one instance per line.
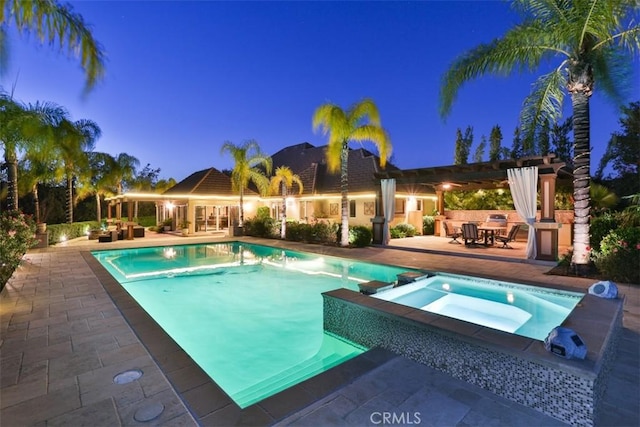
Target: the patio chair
pixel 449 231
pixel 470 234
pixel 511 237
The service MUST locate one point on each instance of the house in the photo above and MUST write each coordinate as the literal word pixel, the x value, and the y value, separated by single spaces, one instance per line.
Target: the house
pixel 206 200
pixel 321 196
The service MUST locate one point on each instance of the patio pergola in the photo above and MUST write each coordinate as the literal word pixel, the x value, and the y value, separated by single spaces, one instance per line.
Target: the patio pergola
pixel 489 176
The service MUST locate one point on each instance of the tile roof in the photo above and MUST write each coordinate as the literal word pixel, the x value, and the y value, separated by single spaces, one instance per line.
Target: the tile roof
pixel 205 182
pixel 308 162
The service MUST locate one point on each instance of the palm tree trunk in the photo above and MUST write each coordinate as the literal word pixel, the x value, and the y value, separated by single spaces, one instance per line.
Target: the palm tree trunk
pixel 36 202
pixel 12 178
pixel 581 180
pixel 98 208
pixel 344 190
pixel 70 199
pixel 283 229
pixel 241 209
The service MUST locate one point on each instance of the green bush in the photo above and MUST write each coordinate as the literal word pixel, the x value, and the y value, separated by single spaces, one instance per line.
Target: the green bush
pixel 263 212
pixel 261 226
pixel 63 232
pixel 601 226
pixel 619 255
pixel 18 235
pixel 360 236
pixel 428 225
pixel 402 230
pixel 317 232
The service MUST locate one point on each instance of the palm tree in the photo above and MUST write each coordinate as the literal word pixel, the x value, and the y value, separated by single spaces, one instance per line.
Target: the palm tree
pixel 53 22
pixel 593 40
pixel 361 122
pixel 37 166
pixel 74 141
pixel 13 118
pixel 99 179
pixel 247 158
pixel 23 128
pixel 281 182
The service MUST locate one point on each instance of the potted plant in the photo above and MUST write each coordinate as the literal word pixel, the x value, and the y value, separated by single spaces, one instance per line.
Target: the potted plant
pixel 166 224
pixel 184 226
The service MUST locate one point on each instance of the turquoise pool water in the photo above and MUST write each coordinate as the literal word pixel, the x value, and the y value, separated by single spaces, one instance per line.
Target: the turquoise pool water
pixel 249 315
pixel 528 311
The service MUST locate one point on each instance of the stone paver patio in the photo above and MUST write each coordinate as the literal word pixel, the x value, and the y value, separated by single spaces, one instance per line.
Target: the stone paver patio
pixel 63 340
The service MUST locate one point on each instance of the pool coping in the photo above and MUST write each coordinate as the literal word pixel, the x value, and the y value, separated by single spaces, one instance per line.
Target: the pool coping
pixel 206 400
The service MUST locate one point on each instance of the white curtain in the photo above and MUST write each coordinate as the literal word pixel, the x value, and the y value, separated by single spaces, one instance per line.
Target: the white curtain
pixel 388 206
pixel 523 183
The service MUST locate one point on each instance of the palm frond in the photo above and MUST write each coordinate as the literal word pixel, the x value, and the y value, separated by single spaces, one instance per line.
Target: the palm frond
pixel 260 180
pixel 4 46
pixel 334 150
pixel 330 118
pixel 522 48
pixel 378 137
pixel 544 102
pixel 363 110
pixel 613 70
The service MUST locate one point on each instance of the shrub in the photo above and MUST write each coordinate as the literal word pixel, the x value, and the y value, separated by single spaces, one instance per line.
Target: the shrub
pixel 619 255
pixel 63 232
pixel 428 225
pixel 402 230
pixel 263 212
pixel 18 235
pixel 360 236
pixel 261 226
pixel 317 232
pixel 295 231
pixel 600 227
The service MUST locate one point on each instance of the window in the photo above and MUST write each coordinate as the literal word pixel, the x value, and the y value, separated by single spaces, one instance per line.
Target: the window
pixel 352 208
pixel 400 206
pixel 419 204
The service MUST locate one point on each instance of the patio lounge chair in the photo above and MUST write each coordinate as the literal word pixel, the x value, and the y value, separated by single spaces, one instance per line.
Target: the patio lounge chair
pixel 470 234
pixel 511 237
pixel 449 231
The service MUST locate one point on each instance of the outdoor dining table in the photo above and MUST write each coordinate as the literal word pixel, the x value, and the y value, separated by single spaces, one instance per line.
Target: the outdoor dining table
pixel 489 233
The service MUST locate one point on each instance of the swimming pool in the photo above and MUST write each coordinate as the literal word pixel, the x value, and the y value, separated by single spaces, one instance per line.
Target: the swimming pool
pixel 249 315
pixel 528 311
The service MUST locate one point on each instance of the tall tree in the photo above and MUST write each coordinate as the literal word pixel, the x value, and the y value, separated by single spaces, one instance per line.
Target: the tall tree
pixel 74 141
pixel 361 122
pixel 623 149
pixel 247 161
pixel 53 23
pixel 463 146
pixel 495 143
pixel 23 127
pixel 593 40
pixel 99 179
pixel 144 180
pixel 516 145
pixel 281 182
pixel 478 155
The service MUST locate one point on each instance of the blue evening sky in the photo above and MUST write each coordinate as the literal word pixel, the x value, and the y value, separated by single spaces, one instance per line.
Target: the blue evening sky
pixel 183 77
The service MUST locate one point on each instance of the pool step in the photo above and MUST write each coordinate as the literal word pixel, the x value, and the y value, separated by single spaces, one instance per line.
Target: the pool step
pixel 289 377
